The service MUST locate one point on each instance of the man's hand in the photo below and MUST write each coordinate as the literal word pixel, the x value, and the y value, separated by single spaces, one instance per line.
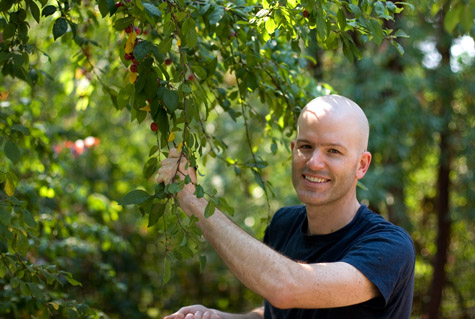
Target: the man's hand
pixel 195 312
pixel 175 165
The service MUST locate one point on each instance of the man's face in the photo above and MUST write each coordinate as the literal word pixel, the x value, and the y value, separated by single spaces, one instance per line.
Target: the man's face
pixel 326 158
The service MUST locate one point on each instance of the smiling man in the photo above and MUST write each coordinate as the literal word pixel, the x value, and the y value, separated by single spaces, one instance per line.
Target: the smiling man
pixel 329 258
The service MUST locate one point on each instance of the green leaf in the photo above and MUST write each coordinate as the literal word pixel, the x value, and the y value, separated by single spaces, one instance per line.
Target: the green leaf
pixel 152 9
pixel 12 152
pixel 216 15
pixel 466 18
pixel 137 196
pixel 9 31
pixel 210 208
pixel 202 262
pixel 103 8
pixel 165 46
pixel 20 128
pixel 28 218
pixel 48 10
pixel 123 23
pixel 155 213
pixel 380 9
pixel 170 98
pixel 35 11
pixel 167 270
pixel 5 216
pixel 341 18
pixel 270 25
pixel 142 49
pixel 70 279
pixel 355 10
pixel 398 47
pixel 199 191
pixel 376 30
pixel 452 17
pixel 59 28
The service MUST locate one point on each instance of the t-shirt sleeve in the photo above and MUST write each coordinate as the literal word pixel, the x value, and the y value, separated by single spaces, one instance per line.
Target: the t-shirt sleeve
pixel 386 257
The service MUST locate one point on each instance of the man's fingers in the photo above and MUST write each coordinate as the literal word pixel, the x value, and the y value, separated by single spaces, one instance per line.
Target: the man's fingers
pixel 173 153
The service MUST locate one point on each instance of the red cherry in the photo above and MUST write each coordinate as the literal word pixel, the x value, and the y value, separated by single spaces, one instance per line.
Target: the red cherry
pixel 191 77
pixel 119 4
pixel 168 61
pixel 138 31
pixel 128 57
pixel 128 29
pixel 154 126
pixel 134 68
pixel 305 13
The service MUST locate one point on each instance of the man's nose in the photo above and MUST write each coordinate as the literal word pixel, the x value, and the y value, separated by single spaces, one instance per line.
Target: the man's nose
pixel 316 161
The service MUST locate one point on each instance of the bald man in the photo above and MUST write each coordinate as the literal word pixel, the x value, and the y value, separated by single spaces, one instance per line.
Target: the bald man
pixel 329 258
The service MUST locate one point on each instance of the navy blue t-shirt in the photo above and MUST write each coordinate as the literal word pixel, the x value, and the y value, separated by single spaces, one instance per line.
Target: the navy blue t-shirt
pixel 383 252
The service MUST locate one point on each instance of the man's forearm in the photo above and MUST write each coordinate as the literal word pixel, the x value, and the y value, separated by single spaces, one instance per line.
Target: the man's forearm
pixel 256 265
pixel 257 313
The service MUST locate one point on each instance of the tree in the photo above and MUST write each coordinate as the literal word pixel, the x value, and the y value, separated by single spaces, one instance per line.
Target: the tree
pixel 181 65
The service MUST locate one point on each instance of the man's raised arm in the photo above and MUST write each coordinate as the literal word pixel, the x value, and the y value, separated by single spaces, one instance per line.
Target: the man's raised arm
pixel 278 279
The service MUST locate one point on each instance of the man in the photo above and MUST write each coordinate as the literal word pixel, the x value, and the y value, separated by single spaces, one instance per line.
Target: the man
pixel 331 258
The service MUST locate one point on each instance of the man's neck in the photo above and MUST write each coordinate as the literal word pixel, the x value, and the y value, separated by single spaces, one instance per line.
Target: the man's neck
pixel 326 219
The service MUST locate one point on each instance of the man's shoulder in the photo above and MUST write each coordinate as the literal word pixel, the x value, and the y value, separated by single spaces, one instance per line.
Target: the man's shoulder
pixel 378 227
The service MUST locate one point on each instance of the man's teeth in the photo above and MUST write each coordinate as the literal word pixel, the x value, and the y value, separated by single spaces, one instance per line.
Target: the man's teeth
pixel 315 179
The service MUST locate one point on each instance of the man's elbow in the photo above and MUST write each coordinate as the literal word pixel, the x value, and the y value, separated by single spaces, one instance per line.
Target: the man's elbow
pixel 283 296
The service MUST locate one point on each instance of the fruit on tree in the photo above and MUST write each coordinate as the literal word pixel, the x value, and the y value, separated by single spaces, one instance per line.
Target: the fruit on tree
pixel 154 126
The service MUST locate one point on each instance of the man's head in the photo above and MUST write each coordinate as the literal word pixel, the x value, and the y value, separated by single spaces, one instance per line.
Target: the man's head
pixel 329 154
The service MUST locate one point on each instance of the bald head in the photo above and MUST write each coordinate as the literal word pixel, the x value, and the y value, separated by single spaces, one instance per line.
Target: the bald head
pixel 340 109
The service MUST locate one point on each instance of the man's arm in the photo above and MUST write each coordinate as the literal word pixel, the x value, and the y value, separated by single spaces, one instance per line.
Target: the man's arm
pixel 281 281
pixel 201 312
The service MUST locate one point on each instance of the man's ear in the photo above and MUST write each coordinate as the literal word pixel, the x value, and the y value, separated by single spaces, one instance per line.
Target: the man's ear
pixel 292 145
pixel 363 164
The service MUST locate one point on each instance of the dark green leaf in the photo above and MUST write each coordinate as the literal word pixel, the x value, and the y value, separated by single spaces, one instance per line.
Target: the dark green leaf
pixel 60 27
pixel 123 23
pixel 165 46
pixel 216 15
pixel 210 208
pixel 156 212
pixel 167 270
pixel 170 98
pixel 9 31
pixel 152 9
pixel 202 262
pixel 12 152
pixel 137 196
pixel 199 191
pixel 142 49
pixel 35 11
pixel 5 5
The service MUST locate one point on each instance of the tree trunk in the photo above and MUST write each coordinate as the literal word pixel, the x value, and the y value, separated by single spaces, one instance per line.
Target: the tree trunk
pixel 445 89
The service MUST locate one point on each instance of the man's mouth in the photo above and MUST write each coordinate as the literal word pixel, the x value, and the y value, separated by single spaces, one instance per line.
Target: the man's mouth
pixel 315 179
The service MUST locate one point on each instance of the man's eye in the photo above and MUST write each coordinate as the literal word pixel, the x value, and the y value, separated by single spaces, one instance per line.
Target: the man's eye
pixel 334 151
pixel 305 147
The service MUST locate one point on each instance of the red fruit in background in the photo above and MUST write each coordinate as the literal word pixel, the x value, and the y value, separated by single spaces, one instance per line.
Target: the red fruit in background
pixel 154 126
pixel 119 4
pixel 168 61
pixel 138 31
pixel 305 13
pixel 128 29
pixel 191 77
pixel 128 57
pixel 134 68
